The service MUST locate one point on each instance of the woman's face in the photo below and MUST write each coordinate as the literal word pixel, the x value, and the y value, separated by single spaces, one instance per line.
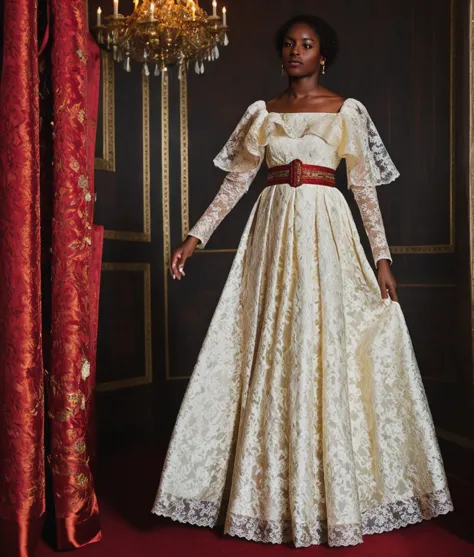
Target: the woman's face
pixel 301 54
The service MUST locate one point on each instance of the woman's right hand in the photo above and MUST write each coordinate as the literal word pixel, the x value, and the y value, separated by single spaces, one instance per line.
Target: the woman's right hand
pixel 179 256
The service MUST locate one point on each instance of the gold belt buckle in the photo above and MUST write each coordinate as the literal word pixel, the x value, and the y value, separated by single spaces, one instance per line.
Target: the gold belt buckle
pixel 296 173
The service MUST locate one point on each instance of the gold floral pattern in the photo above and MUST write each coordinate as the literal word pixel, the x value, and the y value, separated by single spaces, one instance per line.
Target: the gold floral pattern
pixel 75 73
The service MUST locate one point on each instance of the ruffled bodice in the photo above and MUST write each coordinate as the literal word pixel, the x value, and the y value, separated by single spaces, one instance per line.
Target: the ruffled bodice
pixel 311 138
pixel 317 138
pixel 321 139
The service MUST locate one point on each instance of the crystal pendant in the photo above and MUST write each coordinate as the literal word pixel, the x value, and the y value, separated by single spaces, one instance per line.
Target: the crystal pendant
pixel 226 40
pixel 146 70
pixel 197 68
pixel 126 65
pixel 114 50
pixel 157 70
pixel 119 56
pixel 202 67
pixel 216 53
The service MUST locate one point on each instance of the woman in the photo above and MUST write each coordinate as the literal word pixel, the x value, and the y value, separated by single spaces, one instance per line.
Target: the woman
pixel 305 419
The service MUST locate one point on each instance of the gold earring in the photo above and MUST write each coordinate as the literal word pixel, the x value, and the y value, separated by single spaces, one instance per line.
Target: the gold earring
pixel 283 73
pixel 323 64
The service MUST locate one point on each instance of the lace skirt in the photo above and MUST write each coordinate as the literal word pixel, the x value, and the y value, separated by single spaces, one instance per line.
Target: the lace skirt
pixel 305 419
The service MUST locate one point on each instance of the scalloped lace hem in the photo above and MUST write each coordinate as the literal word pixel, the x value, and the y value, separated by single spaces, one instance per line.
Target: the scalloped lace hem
pixel 380 519
pixel 190 511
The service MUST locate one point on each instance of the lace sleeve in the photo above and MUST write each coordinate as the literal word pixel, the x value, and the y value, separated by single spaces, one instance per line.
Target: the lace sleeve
pixel 232 189
pixel 244 149
pixel 367 160
pixel 241 157
pixel 368 203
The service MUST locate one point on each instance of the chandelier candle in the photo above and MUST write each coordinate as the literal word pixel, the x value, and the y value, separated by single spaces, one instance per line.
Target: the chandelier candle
pixel 214 8
pixel 116 7
pixel 152 11
pixel 224 16
pixel 99 17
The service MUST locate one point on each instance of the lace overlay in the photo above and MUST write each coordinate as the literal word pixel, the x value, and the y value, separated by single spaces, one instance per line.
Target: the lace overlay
pixel 233 188
pixel 320 139
pixel 306 403
pixel 368 162
pixel 368 203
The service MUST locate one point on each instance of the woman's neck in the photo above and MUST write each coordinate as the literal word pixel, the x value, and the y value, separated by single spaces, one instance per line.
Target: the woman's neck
pixel 303 87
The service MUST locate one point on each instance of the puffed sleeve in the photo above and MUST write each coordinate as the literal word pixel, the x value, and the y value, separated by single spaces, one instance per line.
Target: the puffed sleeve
pixel 241 158
pixel 367 160
pixel 368 165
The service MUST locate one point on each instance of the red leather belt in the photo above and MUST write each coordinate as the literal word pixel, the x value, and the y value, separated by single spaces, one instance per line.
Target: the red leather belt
pixel 296 173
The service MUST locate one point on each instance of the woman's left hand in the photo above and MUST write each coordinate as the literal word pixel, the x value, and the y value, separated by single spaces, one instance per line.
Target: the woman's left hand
pixel 386 280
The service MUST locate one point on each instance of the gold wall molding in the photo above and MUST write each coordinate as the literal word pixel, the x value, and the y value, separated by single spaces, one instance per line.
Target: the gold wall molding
pixel 165 204
pixel 147 376
pixel 145 234
pixel 183 99
pixel 107 161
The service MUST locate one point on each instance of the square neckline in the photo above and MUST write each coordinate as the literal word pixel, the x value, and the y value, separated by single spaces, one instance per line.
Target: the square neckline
pixel 306 113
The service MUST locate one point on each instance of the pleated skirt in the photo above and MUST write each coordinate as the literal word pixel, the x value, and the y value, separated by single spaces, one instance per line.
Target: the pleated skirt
pixel 305 419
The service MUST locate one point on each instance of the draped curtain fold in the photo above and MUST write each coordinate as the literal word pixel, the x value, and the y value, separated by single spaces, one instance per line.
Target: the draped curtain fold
pixel 75 80
pixel 76 249
pixel 22 475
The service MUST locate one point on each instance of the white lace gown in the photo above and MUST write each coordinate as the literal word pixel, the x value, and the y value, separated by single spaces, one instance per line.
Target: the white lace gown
pixel 305 419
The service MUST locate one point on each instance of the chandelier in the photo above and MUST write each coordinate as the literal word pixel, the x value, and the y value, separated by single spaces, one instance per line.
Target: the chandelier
pixel 163 33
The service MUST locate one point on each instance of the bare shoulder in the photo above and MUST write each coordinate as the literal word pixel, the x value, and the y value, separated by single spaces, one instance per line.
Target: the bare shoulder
pixel 329 101
pixel 275 104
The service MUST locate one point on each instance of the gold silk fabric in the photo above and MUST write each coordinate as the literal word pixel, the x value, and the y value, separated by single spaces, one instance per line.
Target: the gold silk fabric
pixel 305 419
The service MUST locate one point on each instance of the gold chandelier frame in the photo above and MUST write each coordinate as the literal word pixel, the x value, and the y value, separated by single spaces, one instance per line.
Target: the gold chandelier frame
pixel 163 33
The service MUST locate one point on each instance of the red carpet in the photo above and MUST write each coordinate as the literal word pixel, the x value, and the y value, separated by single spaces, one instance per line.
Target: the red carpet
pixel 127 488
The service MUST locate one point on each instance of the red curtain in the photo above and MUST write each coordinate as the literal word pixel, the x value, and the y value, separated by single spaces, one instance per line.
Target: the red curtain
pixel 75 80
pixel 22 499
pixel 76 261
